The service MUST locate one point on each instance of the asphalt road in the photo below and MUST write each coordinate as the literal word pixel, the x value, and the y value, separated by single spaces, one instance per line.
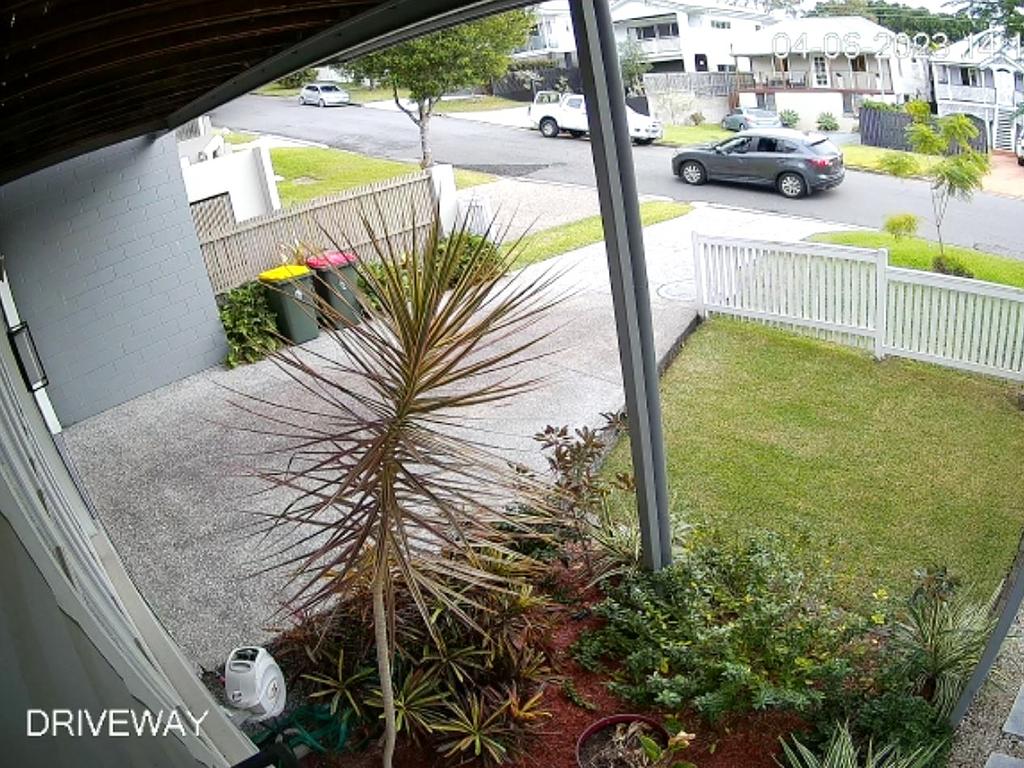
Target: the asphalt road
pixel 988 222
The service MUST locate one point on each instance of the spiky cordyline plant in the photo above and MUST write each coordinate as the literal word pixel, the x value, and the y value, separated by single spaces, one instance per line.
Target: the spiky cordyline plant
pixel 841 752
pixel 386 494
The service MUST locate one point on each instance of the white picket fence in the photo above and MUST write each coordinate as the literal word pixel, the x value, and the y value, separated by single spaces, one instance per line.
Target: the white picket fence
pixel 852 296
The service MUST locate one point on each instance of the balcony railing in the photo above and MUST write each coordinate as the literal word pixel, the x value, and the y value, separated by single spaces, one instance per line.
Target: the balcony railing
pixel 781 80
pixel 653 46
pixel 976 93
pixel 857 81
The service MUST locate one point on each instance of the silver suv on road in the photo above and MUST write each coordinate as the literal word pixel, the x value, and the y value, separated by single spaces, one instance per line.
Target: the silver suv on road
pixel 794 162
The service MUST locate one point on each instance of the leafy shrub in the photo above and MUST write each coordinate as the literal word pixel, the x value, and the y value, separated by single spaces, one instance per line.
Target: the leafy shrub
pixel 297 79
pixel 880 106
pixel 480 686
pixel 905 721
pixel 901 164
pixel 827 122
pixel 728 627
pixel 477 255
pixel 937 644
pixel 249 324
pixel 842 752
pixel 901 225
pixel 789 118
pixel 950 265
pixel 697 118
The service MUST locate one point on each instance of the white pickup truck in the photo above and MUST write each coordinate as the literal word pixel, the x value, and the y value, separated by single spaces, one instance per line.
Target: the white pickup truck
pixel 553 113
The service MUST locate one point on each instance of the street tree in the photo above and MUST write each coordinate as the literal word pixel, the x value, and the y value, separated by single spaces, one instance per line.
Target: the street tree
pixel 959 171
pixel 634 66
pixel 451 59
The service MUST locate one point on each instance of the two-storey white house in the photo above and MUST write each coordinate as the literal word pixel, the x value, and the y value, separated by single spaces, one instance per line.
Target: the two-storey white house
pixel 551 37
pixel 687 35
pixel 674 35
pixel 830 64
pixel 983 75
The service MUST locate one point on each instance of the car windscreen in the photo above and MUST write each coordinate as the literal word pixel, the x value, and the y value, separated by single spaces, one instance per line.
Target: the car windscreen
pixel 760 113
pixel 823 147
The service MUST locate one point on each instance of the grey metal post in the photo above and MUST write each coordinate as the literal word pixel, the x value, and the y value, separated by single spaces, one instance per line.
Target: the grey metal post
pixel 623 236
pixel 1010 608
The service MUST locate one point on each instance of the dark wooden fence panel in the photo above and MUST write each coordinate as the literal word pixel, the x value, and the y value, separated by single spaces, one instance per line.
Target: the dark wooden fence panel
pixel 882 128
pixel 522 84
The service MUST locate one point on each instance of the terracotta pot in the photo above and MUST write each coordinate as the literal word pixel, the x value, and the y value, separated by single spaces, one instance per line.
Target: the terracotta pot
pixel 611 720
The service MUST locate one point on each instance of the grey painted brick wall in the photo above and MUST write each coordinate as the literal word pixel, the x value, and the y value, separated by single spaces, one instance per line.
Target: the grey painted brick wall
pixel 105 266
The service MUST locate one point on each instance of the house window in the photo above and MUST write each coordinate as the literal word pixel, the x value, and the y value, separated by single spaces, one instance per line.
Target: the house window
pixel 668 30
pixel 726 67
pixel 646 33
pixel 700 62
pixel 820 71
pixel 859 63
pixel 719 24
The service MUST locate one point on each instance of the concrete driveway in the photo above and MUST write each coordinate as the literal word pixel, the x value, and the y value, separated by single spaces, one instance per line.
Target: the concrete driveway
pixel 167 471
pixel 1006 176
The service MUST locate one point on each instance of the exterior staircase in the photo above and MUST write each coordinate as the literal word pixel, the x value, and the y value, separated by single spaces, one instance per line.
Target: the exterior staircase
pixel 1004 130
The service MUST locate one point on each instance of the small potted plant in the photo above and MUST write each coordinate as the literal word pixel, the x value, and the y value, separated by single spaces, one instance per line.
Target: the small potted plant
pixel 631 741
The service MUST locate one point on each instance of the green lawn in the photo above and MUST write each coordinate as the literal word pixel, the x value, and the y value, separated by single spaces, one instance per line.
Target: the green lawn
pixel 238 137
pixel 685 135
pixel 918 253
pixel 870 158
pixel 273 89
pixel 879 467
pixel 476 104
pixel 567 237
pixel 310 172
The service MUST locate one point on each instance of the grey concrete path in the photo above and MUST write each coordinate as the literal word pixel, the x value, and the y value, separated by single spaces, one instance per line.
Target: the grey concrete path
pixel 164 470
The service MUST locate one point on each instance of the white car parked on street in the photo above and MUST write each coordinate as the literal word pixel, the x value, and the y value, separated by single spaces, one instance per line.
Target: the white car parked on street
pixel 323 95
pixel 553 113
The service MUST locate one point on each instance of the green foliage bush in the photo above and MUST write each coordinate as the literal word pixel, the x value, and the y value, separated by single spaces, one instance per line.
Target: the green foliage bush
pixel 901 164
pixel 479 687
pixel 842 751
pixel 477 255
pixel 905 721
pixel 249 324
pixel 951 265
pixel 789 118
pixel 728 627
pixel 881 106
pixel 901 225
pixel 297 79
pixel 827 122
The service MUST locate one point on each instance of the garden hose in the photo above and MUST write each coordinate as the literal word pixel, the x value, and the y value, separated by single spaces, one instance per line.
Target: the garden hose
pixel 313 726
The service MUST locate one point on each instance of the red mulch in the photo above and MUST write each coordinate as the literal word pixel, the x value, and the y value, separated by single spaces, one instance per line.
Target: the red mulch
pixel 750 741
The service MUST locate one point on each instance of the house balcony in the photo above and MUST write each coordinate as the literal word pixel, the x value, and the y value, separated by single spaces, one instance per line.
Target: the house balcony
pixel 860 82
pixel 973 93
pixel 661 46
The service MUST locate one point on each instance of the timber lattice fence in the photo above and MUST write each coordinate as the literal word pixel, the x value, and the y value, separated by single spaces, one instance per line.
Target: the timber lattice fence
pixel 400 211
pixel 853 296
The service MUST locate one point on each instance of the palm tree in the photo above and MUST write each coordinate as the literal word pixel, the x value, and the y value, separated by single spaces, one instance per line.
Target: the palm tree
pixel 384 492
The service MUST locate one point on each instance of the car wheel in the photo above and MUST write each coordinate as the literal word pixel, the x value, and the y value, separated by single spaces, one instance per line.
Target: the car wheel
pixel 301 100
pixel 725 124
pixel 693 172
pixel 548 128
pixel 321 104
pixel 792 185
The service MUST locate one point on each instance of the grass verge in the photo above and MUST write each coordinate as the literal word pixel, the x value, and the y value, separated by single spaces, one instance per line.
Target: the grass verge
pixel 576 234
pixel 476 104
pixel 310 172
pixel 686 135
pixel 881 467
pixel 918 253
pixel 872 159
